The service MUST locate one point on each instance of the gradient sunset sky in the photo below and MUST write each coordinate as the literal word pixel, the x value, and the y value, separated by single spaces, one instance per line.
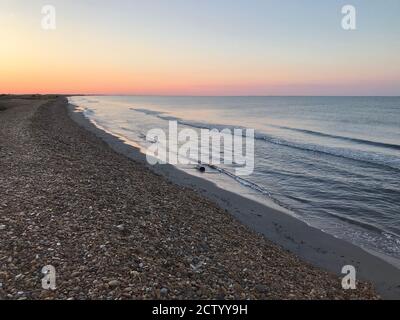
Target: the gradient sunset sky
pixel 201 47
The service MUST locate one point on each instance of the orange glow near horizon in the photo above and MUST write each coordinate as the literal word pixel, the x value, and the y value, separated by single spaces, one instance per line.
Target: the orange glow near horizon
pixel 110 53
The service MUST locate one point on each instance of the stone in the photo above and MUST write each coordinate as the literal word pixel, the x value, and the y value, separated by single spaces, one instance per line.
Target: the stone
pixel 164 291
pixel 261 288
pixel 121 227
pixel 114 283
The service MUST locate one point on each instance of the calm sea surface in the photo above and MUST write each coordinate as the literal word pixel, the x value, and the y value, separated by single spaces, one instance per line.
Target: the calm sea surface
pixel 334 162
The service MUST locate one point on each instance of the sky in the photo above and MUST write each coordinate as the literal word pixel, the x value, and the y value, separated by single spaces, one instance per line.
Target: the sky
pixel 200 47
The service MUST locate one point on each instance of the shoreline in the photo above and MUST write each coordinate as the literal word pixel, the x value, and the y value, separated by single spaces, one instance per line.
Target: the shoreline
pixel 113 229
pixel 290 233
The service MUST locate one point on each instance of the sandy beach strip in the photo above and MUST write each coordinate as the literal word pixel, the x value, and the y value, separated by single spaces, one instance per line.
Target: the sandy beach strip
pixel 113 229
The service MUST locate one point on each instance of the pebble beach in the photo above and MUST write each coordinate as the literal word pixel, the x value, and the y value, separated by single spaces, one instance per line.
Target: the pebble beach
pixel 113 229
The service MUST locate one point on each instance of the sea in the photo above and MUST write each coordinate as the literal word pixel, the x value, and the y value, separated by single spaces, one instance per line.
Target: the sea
pixel 332 162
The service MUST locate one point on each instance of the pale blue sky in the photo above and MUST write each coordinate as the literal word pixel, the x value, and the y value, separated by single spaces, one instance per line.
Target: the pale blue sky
pixel 224 43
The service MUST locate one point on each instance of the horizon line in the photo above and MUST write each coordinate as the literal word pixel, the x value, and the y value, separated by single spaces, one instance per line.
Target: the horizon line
pixel 188 95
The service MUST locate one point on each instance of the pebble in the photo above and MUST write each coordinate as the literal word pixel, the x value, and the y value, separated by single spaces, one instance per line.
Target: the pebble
pixel 164 291
pixel 114 283
pixel 121 227
pixel 135 273
pixel 261 288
